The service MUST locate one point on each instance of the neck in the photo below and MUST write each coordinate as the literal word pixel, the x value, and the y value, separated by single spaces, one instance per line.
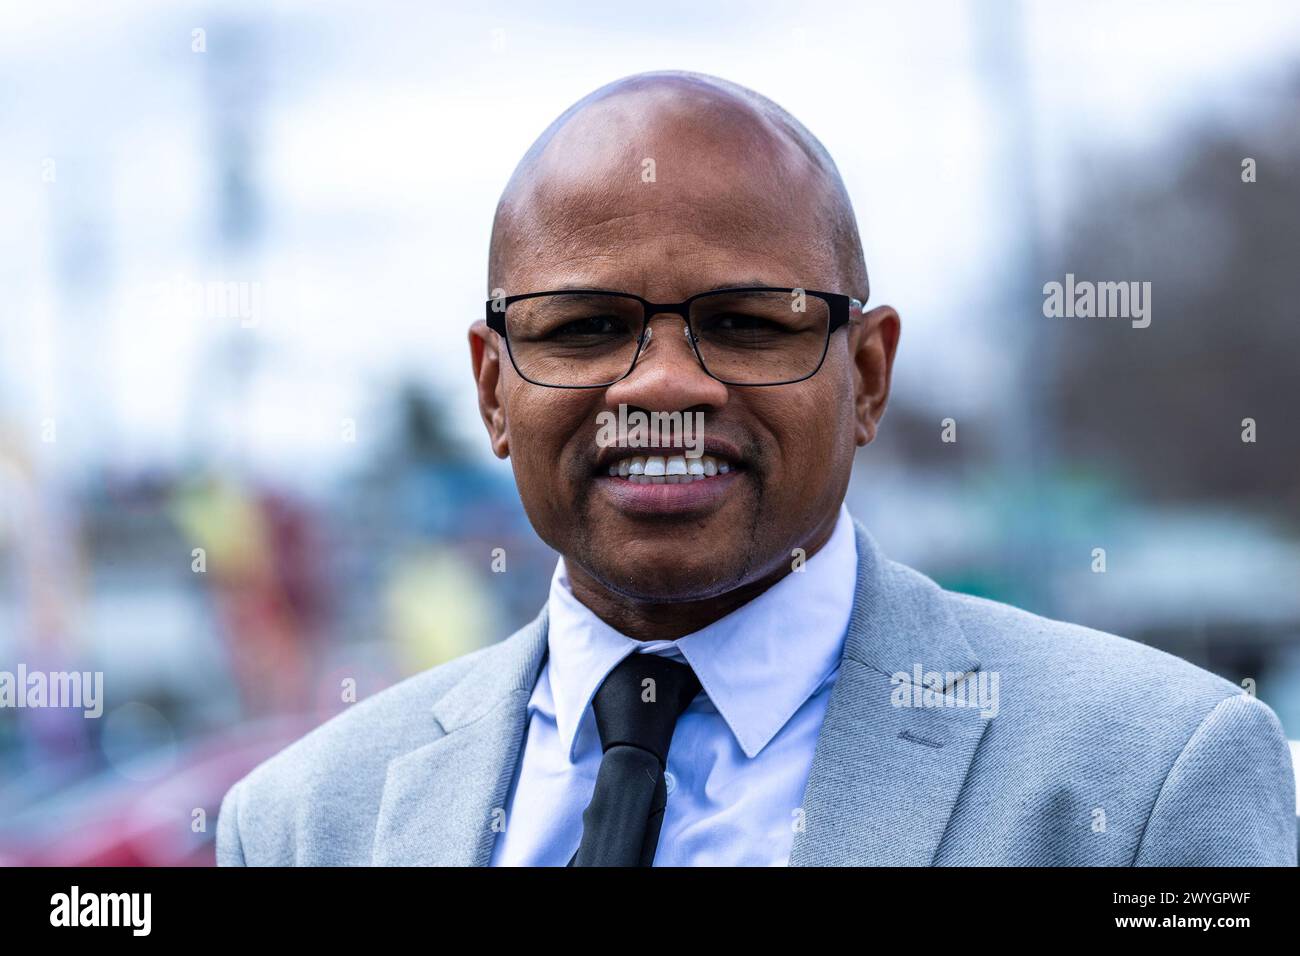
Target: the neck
pixel 659 621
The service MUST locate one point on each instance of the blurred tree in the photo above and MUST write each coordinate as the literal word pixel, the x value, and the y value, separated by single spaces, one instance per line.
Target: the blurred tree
pixel 422 432
pixel 1164 404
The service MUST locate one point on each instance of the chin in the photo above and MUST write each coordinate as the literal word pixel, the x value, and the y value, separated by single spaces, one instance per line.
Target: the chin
pixel 674 583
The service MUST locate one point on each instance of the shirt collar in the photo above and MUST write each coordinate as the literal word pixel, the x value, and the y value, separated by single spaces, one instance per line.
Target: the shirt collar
pixel 758 665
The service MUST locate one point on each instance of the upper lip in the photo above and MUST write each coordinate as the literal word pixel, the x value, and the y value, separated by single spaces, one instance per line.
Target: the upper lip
pixel 719 448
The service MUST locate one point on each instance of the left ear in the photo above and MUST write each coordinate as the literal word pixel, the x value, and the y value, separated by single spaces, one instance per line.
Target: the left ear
pixel 872 341
pixel 485 358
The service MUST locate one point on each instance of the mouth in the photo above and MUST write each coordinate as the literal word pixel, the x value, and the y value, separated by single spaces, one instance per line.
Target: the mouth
pixel 669 469
pixel 660 485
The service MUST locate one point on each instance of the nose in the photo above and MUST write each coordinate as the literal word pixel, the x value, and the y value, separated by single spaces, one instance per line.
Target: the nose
pixel 667 375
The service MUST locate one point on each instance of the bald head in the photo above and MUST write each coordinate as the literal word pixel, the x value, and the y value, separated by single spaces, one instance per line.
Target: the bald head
pixel 659 152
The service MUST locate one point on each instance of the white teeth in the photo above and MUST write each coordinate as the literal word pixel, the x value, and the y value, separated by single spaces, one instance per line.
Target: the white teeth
pixel 668 469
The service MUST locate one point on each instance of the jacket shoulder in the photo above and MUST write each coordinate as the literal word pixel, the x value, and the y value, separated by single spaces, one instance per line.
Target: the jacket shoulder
pixel 317 799
pixel 1040 649
pixel 1187 768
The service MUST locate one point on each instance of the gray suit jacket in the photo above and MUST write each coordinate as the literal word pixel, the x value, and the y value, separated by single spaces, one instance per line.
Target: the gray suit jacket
pixel 1102 752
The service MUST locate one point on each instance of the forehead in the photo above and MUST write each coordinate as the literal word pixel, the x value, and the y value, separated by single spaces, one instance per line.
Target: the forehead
pixel 666 195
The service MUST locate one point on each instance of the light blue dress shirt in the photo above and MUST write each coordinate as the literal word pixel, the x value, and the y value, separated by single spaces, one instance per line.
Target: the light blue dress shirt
pixel 742 750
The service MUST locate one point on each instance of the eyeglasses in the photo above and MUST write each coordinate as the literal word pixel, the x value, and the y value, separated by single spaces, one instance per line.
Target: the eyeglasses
pixel 590 338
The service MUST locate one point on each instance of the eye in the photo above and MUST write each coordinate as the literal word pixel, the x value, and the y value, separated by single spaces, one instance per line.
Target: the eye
pixel 742 322
pixel 590 326
pixel 737 320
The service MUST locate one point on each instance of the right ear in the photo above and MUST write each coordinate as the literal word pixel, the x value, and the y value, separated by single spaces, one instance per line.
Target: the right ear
pixel 485 354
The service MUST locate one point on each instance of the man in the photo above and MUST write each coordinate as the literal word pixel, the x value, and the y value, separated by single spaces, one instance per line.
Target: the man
pixel 727 671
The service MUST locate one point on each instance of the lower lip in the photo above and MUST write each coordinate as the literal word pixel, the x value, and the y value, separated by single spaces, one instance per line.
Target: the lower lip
pixel 653 500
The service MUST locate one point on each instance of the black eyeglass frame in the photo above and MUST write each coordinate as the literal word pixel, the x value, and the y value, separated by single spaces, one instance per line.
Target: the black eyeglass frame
pixel 841 311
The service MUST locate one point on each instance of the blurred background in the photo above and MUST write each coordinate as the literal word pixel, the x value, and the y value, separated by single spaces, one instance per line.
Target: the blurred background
pixel 241 467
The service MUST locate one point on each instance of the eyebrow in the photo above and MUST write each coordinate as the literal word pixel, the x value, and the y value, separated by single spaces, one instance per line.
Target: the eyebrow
pixel 743 283
pixel 734 284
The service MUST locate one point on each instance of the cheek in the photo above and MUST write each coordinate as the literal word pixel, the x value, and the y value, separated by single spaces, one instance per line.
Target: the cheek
pixel 807 422
pixel 832 419
pixel 546 431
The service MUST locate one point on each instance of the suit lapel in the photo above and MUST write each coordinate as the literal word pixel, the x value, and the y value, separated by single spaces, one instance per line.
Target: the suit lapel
pixel 440 800
pixel 885 778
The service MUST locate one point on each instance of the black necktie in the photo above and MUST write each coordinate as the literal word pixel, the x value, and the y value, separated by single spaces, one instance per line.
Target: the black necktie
pixel 636 710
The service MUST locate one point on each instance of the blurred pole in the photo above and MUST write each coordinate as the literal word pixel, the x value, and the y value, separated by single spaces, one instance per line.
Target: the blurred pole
pixel 235 91
pixel 1026 448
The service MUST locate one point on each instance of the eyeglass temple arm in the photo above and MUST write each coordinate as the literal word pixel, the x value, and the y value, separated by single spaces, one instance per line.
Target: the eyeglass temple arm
pixel 854 306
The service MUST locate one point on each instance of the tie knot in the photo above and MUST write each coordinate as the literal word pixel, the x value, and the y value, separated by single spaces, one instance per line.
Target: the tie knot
pixel 640 700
